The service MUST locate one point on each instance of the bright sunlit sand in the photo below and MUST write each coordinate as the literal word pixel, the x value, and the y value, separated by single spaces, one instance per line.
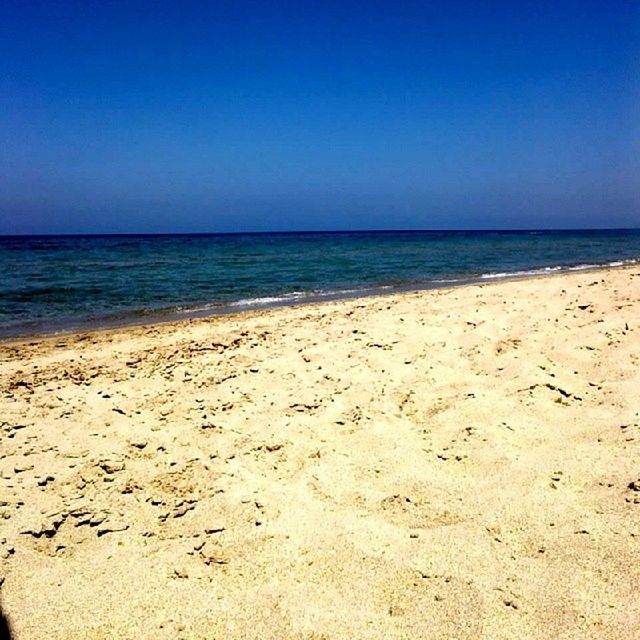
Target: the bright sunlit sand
pixel 459 463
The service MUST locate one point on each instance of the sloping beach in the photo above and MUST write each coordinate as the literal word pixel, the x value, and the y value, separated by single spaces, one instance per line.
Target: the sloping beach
pixel 460 463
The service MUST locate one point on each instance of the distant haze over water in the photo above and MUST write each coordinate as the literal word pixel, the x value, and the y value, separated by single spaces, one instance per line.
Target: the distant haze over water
pixel 51 283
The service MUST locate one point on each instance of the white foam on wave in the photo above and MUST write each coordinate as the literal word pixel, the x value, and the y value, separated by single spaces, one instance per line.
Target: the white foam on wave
pixel 449 280
pixel 512 274
pixel 576 267
pixel 264 300
pixel 301 295
pixel 582 267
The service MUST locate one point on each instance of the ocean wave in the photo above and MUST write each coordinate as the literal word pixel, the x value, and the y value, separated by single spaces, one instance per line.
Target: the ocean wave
pixel 293 296
pixel 267 300
pixel 556 268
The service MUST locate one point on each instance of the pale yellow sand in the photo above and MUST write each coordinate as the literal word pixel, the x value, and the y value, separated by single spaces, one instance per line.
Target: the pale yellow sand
pixel 445 464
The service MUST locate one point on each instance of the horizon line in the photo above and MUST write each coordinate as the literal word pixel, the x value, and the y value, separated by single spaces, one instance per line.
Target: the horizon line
pixel 311 232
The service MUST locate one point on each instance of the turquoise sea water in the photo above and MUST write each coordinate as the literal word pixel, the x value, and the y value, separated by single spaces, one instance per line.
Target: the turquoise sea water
pixel 63 282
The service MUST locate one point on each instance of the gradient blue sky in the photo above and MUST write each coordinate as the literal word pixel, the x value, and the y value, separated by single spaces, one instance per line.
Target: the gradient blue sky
pixel 229 116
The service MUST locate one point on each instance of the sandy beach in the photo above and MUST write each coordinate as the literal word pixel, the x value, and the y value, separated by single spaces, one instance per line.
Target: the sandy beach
pixel 460 463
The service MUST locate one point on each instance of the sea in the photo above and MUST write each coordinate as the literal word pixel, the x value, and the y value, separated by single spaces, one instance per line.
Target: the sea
pixel 58 283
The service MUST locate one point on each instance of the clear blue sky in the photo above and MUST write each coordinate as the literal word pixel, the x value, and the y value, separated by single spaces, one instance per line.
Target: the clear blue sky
pixel 230 116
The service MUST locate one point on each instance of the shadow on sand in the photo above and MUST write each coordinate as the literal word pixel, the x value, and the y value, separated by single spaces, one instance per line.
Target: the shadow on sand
pixel 5 628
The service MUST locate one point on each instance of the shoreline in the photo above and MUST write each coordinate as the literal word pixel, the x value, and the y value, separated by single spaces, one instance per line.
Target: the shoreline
pixel 152 319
